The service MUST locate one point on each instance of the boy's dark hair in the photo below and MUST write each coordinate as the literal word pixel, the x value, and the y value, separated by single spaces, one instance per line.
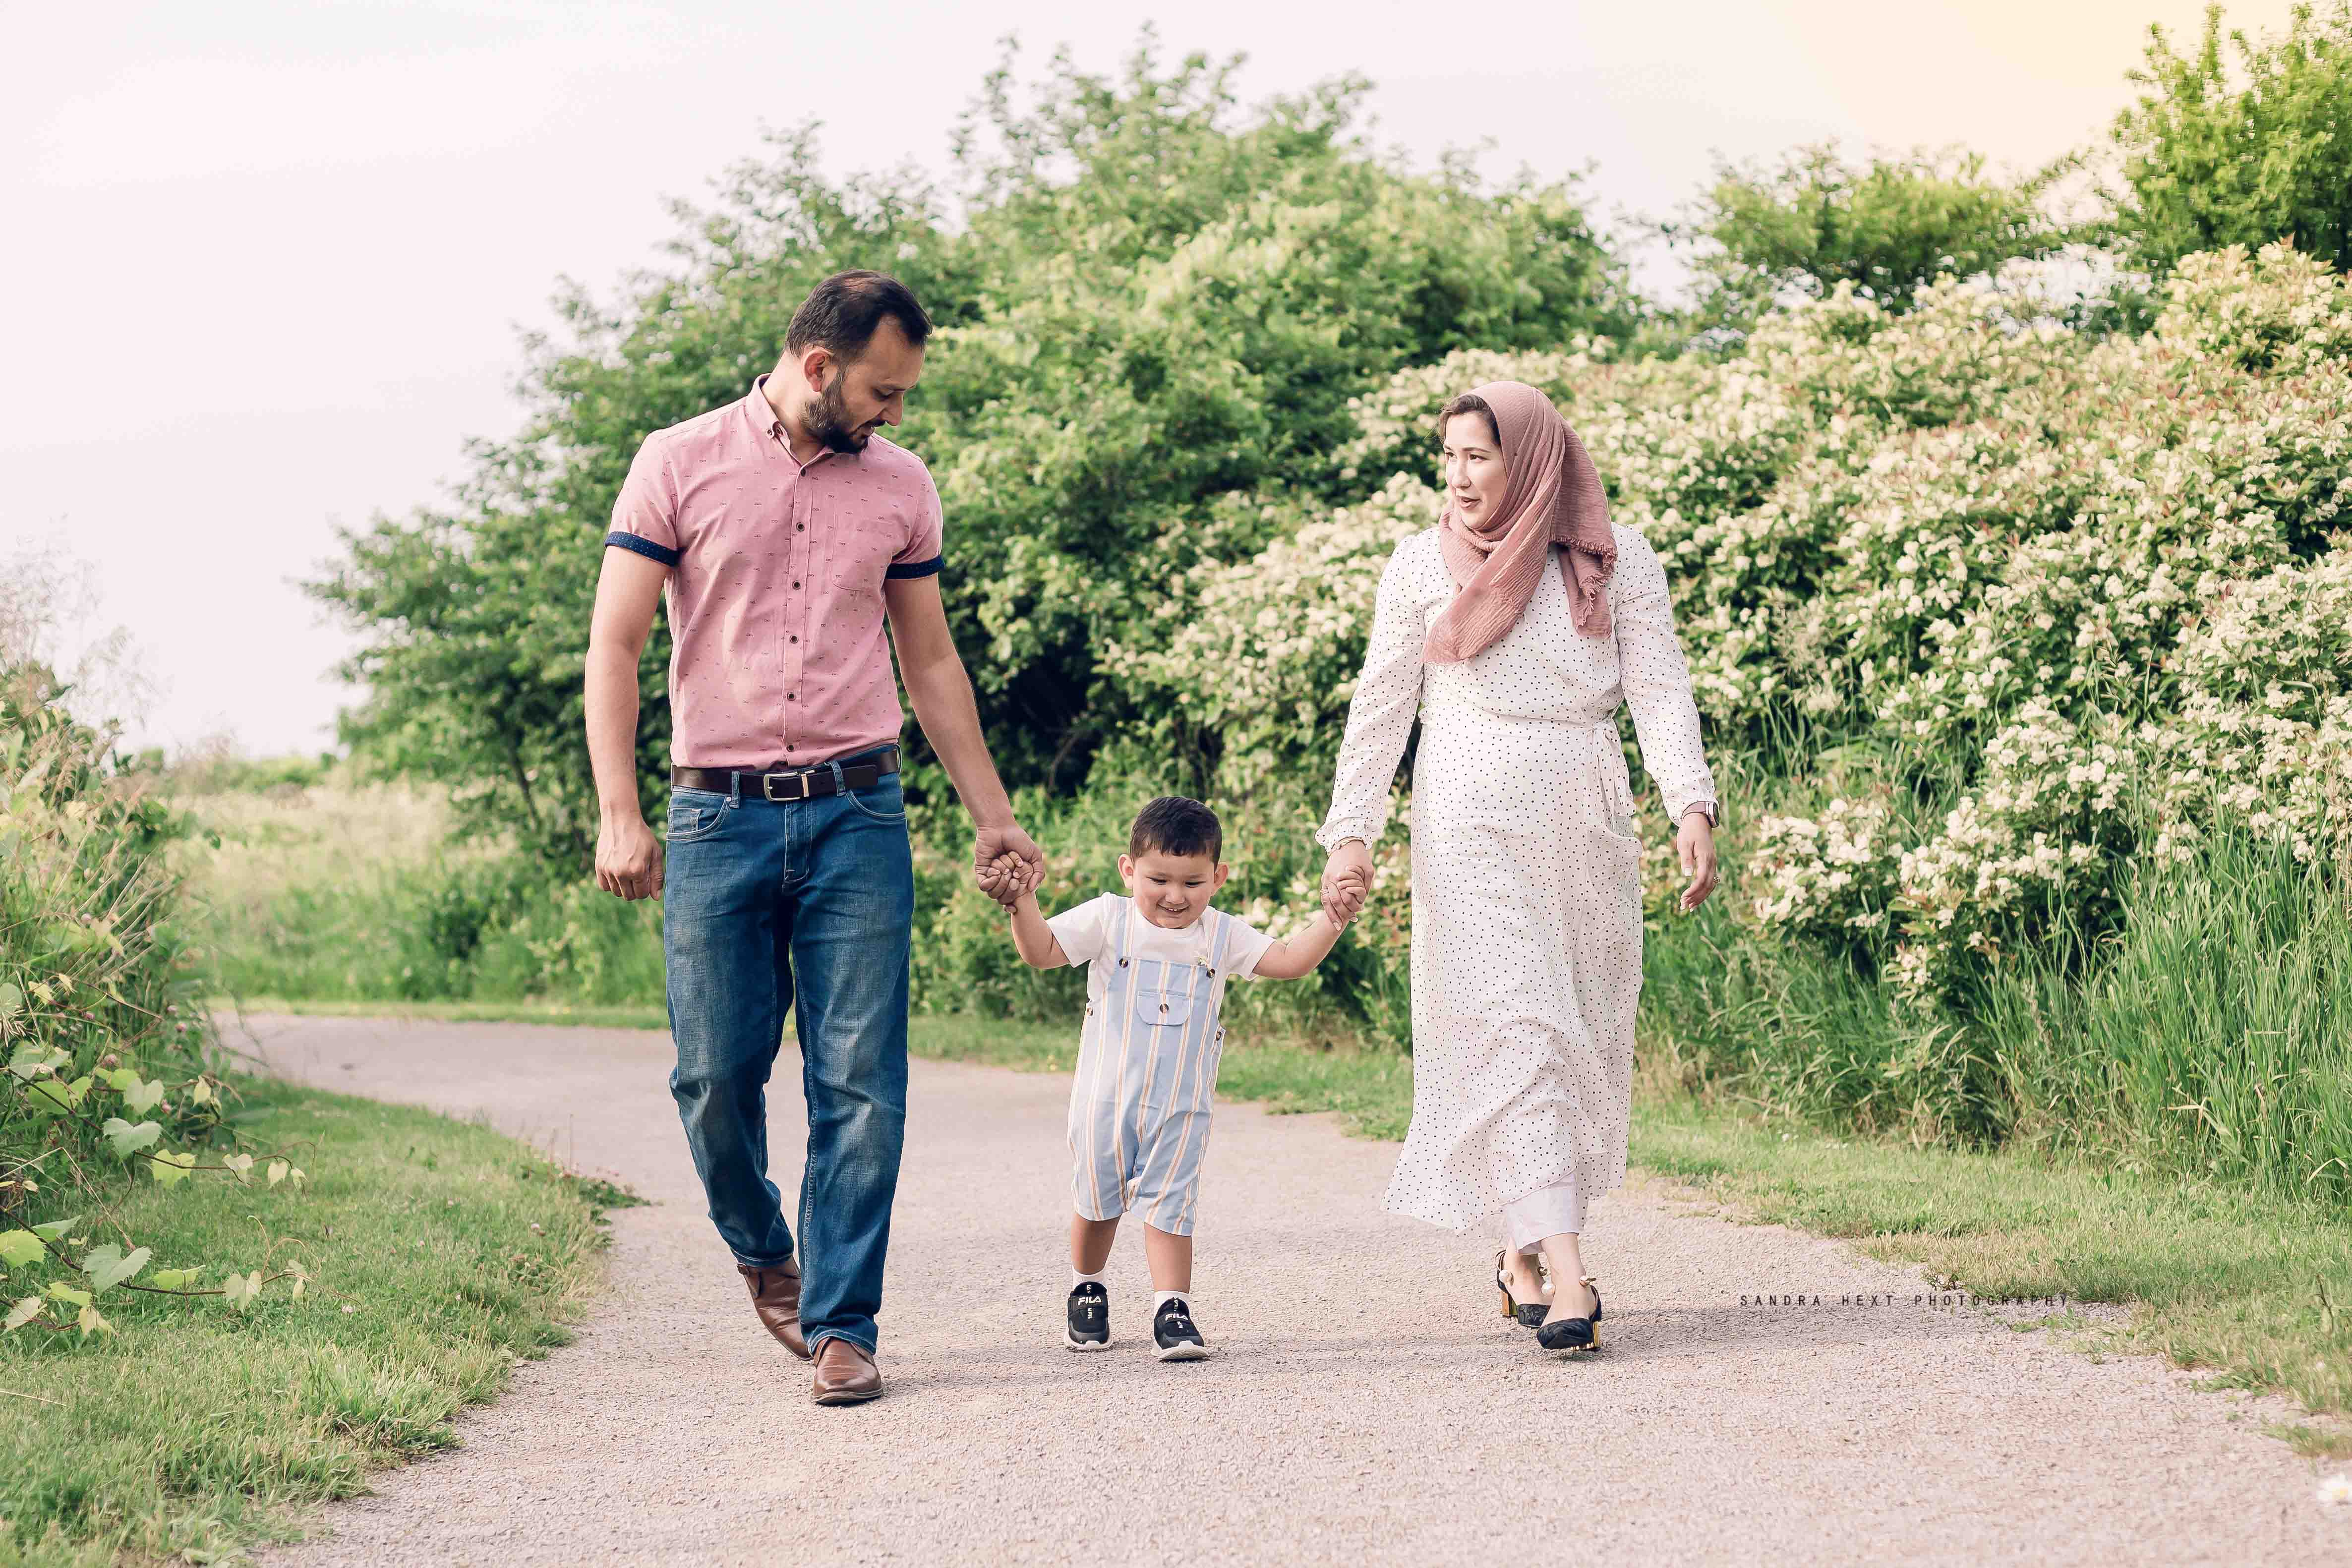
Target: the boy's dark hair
pixel 841 312
pixel 1176 826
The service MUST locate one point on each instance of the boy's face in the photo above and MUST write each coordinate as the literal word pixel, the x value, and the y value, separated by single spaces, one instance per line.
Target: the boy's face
pixel 1172 890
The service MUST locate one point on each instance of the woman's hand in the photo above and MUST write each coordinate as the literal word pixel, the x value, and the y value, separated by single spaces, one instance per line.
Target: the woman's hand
pixel 1347 881
pixel 1696 843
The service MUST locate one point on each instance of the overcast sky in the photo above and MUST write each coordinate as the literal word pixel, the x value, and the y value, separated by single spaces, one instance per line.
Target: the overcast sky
pixel 267 263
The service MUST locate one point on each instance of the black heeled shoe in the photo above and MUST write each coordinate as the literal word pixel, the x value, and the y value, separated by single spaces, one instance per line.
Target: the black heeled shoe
pixel 1573 1333
pixel 1527 1314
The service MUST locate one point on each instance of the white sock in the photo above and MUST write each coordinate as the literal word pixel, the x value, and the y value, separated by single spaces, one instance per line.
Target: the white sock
pixel 1077 1279
pixel 1161 1298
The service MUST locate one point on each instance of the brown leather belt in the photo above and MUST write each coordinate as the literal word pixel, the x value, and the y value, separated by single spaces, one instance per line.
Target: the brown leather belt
pixel 793 784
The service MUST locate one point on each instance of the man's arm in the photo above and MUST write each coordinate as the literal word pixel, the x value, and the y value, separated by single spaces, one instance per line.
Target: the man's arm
pixel 941 695
pixel 628 856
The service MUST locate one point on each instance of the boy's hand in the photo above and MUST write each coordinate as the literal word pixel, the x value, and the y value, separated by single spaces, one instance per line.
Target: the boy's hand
pixel 1347 882
pixel 991 846
pixel 1001 873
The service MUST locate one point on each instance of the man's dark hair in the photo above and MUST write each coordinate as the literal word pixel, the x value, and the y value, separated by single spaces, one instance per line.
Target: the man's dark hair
pixel 841 313
pixel 1176 826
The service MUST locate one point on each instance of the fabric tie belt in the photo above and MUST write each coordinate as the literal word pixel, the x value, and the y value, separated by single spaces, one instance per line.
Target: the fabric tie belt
pixel 795 783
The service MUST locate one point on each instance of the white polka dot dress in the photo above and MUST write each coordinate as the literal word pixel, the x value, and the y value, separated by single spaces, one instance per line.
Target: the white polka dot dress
pixel 1526 894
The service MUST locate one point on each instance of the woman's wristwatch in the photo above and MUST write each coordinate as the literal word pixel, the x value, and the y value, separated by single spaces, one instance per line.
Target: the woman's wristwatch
pixel 1706 808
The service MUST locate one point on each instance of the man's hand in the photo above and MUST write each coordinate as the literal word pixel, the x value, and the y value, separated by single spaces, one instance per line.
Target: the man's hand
pixel 628 857
pixel 1347 881
pixel 1696 843
pixel 989 848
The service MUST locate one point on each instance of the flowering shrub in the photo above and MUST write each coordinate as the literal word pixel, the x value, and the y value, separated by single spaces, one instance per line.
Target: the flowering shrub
pixel 2264 731
pixel 1267 651
pixel 2030 571
pixel 2279 311
pixel 1832 878
pixel 2037 846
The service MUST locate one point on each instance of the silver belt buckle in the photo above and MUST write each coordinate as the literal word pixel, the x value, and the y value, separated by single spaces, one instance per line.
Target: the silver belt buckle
pixel 768 786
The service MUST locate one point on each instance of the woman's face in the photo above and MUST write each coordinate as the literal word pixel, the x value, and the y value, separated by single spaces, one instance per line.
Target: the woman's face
pixel 1474 475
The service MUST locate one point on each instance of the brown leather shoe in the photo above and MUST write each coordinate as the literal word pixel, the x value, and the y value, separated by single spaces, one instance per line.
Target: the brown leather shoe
pixel 846 1374
pixel 776 1296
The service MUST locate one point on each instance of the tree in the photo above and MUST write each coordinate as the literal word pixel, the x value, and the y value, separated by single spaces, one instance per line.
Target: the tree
pixel 1155 308
pixel 2213 158
pixel 1889 227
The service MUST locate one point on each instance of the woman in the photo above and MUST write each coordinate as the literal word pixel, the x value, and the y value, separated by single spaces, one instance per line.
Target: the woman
pixel 1513 628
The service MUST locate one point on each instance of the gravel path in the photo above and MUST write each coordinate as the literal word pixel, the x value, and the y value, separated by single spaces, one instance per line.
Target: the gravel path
pixel 1367 1404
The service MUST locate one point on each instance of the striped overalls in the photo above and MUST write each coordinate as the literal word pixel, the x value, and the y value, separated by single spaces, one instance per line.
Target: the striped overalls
pixel 1146 1070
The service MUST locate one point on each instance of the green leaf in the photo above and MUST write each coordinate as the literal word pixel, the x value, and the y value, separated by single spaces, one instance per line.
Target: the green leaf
pixel 12 1001
pixel 54 1229
pixel 239 1289
pixel 144 1096
pixel 107 1267
pixel 173 1279
pixel 23 1313
pixel 124 1079
pixel 29 1060
pixel 49 1098
pixel 19 1247
pixel 278 1169
pixel 92 1323
pixel 129 1140
pixel 242 1164
pixel 60 1290
pixel 171 1169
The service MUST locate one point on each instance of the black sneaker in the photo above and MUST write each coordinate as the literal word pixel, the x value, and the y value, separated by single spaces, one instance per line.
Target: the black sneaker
pixel 1089 1318
pixel 1173 1333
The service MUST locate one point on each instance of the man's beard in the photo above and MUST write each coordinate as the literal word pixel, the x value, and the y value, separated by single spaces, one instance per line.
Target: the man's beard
pixel 828 420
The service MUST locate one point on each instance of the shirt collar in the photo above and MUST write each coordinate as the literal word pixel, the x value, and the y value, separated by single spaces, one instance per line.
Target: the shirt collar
pixel 765 420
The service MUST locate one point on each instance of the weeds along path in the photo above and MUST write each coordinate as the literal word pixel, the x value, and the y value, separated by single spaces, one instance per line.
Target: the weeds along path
pixel 1367 1405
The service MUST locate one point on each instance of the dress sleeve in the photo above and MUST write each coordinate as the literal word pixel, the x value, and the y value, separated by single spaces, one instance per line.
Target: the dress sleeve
pixel 1656 679
pixel 1380 715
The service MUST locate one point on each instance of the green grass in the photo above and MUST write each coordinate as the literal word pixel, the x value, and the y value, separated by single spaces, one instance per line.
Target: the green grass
pixel 441 1253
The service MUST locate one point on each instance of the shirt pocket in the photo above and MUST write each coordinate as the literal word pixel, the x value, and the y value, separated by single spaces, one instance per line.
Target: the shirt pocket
pixel 859 555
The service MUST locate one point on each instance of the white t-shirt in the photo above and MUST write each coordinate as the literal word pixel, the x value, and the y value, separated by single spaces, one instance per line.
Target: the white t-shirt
pixel 1090 931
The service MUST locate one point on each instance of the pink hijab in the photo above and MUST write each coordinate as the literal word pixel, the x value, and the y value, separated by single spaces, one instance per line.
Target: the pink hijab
pixel 1554 497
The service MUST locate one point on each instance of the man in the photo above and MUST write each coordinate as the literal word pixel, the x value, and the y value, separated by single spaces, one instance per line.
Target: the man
pixel 782 531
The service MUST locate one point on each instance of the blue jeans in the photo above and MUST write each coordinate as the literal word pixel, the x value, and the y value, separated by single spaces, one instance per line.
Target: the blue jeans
pixel 805 905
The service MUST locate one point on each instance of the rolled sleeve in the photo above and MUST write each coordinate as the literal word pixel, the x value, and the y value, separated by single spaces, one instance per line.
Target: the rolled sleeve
pixel 645 514
pixel 921 556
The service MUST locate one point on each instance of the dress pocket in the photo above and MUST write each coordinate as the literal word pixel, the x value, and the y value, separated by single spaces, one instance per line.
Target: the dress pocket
pixel 1617 796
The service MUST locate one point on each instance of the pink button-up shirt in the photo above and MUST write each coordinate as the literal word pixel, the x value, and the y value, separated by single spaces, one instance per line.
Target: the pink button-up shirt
pixel 779 655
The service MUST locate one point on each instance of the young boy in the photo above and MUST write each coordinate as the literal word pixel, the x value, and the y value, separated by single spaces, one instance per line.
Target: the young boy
pixel 1157 963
